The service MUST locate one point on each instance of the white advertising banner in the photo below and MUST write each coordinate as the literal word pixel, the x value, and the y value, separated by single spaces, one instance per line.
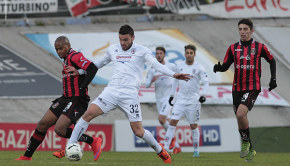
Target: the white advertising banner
pixel 222 95
pixel 28 6
pixel 240 8
pixel 216 135
pixel 94 45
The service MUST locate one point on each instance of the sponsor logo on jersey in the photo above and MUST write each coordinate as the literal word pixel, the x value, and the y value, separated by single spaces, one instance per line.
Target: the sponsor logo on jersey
pixel 248 67
pixel 125 58
pixel 253 51
pixel 133 50
pixel 238 50
pixel 248 57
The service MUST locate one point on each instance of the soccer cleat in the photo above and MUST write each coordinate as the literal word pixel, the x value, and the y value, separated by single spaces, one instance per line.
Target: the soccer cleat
pixel 251 155
pixel 59 154
pixel 172 144
pixel 195 154
pixel 23 158
pixel 176 150
pixel 164 155
pixel 244 149
pixel 96 147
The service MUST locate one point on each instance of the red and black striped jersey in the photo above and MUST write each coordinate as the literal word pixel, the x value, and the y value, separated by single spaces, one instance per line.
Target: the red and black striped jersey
pixel 71 84
pixel 246 57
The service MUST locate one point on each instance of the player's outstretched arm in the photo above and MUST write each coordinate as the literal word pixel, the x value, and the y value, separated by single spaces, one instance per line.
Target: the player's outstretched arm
pixel 181 76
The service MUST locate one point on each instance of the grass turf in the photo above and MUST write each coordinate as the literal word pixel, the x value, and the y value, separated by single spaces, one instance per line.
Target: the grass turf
pixel 42 158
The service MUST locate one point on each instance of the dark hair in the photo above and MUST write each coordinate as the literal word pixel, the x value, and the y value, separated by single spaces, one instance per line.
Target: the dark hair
pixel 161 49
pixel 126 29
pixel 246 21
pixel 190 46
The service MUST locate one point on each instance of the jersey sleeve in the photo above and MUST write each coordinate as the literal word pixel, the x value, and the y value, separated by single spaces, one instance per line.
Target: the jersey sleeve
pixel 266 53
pixel 228 59
pixel 175 83
pixel 104 60
pixel 149 78
pixel 80 61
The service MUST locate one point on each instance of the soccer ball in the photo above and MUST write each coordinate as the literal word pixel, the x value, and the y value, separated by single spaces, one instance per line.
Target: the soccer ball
pixel 74 152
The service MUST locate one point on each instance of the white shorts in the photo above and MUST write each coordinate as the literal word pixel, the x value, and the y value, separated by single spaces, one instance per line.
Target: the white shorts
pixel 125 99
pixel 191 111
pixel 163 107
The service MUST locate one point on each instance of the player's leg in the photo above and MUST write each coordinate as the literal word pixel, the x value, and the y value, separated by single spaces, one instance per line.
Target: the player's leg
pixel 195 139
pixel 163 121
pixel 177 114
pixel 193 115
pixel 247 100
pixel 38 136
pixel 82 125
pixel 147 136
pixel 163 111
pixel 170 133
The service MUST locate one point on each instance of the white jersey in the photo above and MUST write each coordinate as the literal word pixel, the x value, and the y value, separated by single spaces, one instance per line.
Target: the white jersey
pixel 163 83
pixel 189 91
pixel 128 65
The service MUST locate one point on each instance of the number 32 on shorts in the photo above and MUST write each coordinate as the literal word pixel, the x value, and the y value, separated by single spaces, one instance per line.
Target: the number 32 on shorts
pixel 134 108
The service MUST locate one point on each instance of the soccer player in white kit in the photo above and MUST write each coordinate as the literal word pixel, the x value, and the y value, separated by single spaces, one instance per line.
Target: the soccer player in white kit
pixel 188 100
pixel 128 59
pixel 163 86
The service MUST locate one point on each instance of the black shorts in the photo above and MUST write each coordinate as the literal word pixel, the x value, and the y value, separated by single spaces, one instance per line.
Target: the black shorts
pixel 72 107
pixel 246 98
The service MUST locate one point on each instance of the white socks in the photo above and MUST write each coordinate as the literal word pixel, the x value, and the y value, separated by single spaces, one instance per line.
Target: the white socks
pixel 78 131
pixel 165 125
pixel 195 138
pixel 150 140
pixel 169 135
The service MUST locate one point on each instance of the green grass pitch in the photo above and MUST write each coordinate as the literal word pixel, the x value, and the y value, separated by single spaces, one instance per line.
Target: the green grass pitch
pixel 41 158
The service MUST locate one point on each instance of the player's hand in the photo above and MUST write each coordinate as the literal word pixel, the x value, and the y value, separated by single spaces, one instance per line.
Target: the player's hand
pixel 170 100
pixel 155 78
pixel 202 99
pixel 217 67
pixel 181 76
pixel 272 84
pixel 73 71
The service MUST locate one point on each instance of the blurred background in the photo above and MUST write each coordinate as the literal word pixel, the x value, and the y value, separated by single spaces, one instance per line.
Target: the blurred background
pixel 30 71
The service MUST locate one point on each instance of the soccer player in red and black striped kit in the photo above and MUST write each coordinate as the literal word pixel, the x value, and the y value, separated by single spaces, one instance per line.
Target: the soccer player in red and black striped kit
pixel 74 101
pixel 246 56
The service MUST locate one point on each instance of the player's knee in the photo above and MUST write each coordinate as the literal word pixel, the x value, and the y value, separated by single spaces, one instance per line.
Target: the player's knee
pixel 42 126
pixel 60 132
pixel 139 134
pixel 162 120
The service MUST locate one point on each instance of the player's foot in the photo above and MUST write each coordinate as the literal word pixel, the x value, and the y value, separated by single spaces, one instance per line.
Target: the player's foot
pixel 244 149
pixel 23 158
pixel 176 150
pixel 172 144
pixel 195 154
pixel 96 147
pixel 251 155
pixel 164 155
pixel 59 154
